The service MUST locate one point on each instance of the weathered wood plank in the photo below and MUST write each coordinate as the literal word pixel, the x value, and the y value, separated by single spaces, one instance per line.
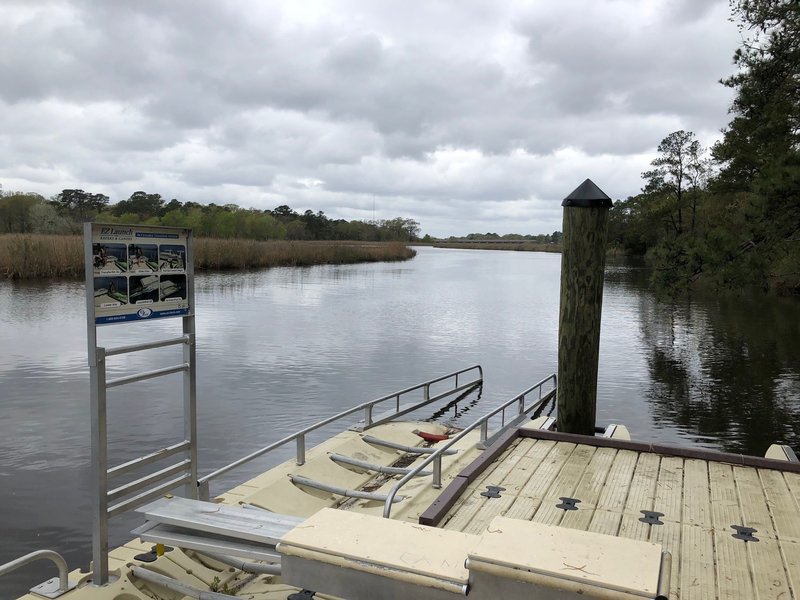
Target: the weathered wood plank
pixel 753 502
pixel 696 493
pixel 589 489
pixel 534 453
pixel 697 564
pixel 791 553
pixel 488 511
pixel 782 504
pixel 631 527
pixel 725 509
pixel 471 501
pixel 615 491
pixel 669 489
pixel 608 514
pixel 540 481
pixel 605 521
pixel 529 456
pixel 640 497
pixel 766 561
pixel 734 579
pixel 564 485
pixel 768 569
pixel 669 536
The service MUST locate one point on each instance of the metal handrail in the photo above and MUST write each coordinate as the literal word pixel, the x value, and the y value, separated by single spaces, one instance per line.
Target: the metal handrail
pixel 483 422
pixel 52 555
pixel 299 436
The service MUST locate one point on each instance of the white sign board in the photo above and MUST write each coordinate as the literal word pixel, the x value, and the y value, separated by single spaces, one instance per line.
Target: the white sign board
pixel 139 272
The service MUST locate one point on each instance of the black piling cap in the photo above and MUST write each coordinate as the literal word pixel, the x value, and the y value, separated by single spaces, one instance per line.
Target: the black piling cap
pixel 588 195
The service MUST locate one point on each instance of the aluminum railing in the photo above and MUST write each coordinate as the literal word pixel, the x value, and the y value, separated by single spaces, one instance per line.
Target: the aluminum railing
pixel 299 437
pixel 126 494
pixel 483 423
pixel 52 588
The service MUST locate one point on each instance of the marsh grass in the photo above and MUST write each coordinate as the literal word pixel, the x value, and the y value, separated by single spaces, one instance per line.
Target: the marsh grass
pixel 37 256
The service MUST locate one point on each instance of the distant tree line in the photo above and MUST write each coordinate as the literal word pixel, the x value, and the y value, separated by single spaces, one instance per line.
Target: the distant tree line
pixel 731 214
pixel 545 238
pixel 22 212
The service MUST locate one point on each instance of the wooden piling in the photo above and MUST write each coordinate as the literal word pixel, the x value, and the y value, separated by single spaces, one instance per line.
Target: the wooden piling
pixel 583 261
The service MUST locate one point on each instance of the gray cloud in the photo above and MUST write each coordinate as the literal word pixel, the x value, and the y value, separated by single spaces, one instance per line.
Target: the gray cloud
pixel 487 113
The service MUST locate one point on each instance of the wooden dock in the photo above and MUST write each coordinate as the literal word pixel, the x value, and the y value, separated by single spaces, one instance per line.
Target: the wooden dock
pixel 707 501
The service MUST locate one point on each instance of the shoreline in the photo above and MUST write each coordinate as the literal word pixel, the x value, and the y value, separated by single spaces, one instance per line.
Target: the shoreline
pixel 39 256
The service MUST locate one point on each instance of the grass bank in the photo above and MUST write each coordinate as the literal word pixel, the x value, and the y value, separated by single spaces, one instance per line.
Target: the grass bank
pixel 38 256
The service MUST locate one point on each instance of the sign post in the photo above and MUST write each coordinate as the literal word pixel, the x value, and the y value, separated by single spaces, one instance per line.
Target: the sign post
pixel 137 273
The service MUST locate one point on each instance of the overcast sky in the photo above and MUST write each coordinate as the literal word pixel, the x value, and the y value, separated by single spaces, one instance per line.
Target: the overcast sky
pixel 467 115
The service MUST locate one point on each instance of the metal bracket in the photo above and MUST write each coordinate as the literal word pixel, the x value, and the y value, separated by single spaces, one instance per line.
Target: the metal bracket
pixel 50 588
pixel 744 533
pixel 567 503
pixel 493 491
pixel 301 595
pixel 651 517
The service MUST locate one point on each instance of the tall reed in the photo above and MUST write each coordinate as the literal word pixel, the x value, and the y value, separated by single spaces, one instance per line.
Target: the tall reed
pixel 37 256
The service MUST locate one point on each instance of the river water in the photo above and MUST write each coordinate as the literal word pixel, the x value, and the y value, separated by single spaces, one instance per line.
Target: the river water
pixel 279 349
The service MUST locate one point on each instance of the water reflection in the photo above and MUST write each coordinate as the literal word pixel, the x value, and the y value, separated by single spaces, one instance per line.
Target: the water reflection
pixel 726 369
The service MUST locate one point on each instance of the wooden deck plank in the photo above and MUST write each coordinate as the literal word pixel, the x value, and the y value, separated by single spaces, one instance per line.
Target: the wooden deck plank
pixel 608 514
pixel 793 481
pixel 643 485
pixel 725 510
pixel 791 554
pixel 530 455
pixel 564 485
pixel 535 452
pixel 536 487
pixel 669 500
pixel 618 482
pixel 767 565
pixel 783 506
pixel 732 567
pixel 500 467
pixel 753 501
pixel 471 501
pixel 641 496
pixel 734 579
pixel 697 580
pixel 589 489
pixel 696 493
pixel 605 521
pixel 631 527
pixel 768 570
pixel 669 536
pixel 669 489
pixel 488 511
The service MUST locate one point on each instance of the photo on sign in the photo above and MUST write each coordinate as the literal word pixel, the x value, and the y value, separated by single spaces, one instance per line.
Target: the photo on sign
pixel 110 258
pixel 110 292
pixel 142 258
pixel 144 289
pixel 173 288
pixel 172 257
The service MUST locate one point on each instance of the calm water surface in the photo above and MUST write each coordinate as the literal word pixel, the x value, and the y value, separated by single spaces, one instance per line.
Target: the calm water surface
pixel 279 349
